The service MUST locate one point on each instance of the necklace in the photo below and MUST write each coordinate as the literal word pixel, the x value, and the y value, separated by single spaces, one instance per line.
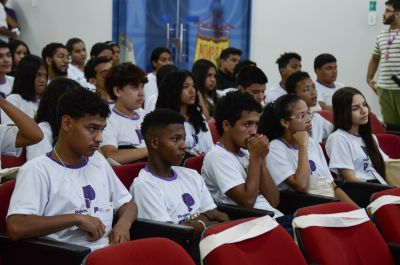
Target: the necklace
pixel 389 42
pixel 55 152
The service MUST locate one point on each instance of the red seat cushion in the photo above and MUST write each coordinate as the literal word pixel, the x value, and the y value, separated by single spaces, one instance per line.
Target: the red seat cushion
pixel 213 129
pixel 126 173
pixel 390 144
pixel 195 162
pixel 6 191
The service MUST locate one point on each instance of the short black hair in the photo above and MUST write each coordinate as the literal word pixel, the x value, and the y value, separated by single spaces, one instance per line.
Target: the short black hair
pixel 394 3
pixel 241 65
pixel 91 65
pixel 47 110
pixel 123 74
pixel 323 59
pixel 293 79
pixel 285 58
pixel 228 51
pixel 24 82
pixel 231 106
pixel 81 102
pixel 249 75
pixel 50 49
pixel 156 53
pixel 71 42
pixel 98 47
pixel 163 71
pixel 112 43
pixel 4 44
pixel 158 119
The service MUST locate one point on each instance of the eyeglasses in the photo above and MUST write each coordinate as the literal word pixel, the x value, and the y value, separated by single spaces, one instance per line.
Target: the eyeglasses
pixel 302 116
pixel 63 56
pixel 309 89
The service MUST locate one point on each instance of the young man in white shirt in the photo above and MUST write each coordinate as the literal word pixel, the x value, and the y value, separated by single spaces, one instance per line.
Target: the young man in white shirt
pixel 253 80
pixel 95 73
pixel 122 139
pixel 300 84
pixel 288 63
pixel 326 69
pixel 71 193
pixel 234 170
pixel 164 191
pixel 6 81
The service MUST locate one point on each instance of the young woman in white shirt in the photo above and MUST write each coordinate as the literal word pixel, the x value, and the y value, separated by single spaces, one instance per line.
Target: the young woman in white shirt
pixel 352 148
pixel 295 160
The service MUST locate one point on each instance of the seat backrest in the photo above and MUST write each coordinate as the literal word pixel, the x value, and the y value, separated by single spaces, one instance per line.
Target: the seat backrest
pixel 273 247
pixel 213 129
pixel 390 144
pixel 149 251
pixel 6 191
pixel 328 115
pixel 376 124
pixel 387 218
pixel 360 244
pixel 12 161
pixel 194 162
pixel 127 173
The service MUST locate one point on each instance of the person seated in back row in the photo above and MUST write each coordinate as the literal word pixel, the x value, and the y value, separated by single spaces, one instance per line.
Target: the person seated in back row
pixel 71 193
pixel 123 142
pixel 301 85
pixel 165 192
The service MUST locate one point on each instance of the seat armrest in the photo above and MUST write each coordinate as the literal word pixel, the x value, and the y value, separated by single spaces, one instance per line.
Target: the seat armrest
pixel 238 212
pixel 361 192
pixel 395 249
pixel 41 251
pixel 291 201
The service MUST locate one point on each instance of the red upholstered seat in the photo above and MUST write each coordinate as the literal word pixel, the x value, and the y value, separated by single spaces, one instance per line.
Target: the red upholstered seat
pixel 195 162
pixel 12 161
pixel 390 144
pixel 328 115
pixel 126 173
pixel 387 218
pixel 149 251
pixel 213 129
pixel 376 124
pixel 361 244
pixel 273 247
pixel 6 191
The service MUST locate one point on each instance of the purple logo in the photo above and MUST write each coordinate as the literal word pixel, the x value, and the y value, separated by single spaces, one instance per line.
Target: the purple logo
pixel 139 135
pixel 313 167
pixel 188 200
pixel 88 194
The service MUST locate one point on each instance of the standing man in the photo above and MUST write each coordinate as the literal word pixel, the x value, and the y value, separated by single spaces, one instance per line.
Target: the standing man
pixel 386 53
pixel 228 59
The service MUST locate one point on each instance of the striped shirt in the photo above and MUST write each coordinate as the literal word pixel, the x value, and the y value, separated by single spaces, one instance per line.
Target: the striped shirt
pixel 387 46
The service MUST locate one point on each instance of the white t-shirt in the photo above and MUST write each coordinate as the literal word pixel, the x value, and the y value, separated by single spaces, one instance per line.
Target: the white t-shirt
pixel 171 199
pixel 282 161
pixel 76 74
pixel 150 87
pixel 197 143
pixel 321 128
pixel 274 92
pixel 223 170
pixel 28 107
pixel 5 89
pixel 46 188
pixel 150 102
pixel 42 147
pixel 347 151
pixel 8 135
pixel 3 22
pixel 325 93
pixel 122 130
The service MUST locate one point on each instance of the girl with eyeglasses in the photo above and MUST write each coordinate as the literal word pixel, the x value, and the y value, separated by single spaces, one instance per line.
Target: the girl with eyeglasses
pixel 352 148
pixel 295 160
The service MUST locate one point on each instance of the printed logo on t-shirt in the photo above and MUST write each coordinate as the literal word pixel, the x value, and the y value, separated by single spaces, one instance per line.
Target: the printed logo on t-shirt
pixel 313 167
pixel 89 194
pixel 188 200
pixel 139 135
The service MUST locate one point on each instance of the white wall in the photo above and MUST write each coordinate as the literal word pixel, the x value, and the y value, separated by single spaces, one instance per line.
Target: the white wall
pixel 45 21
pixel 311 27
